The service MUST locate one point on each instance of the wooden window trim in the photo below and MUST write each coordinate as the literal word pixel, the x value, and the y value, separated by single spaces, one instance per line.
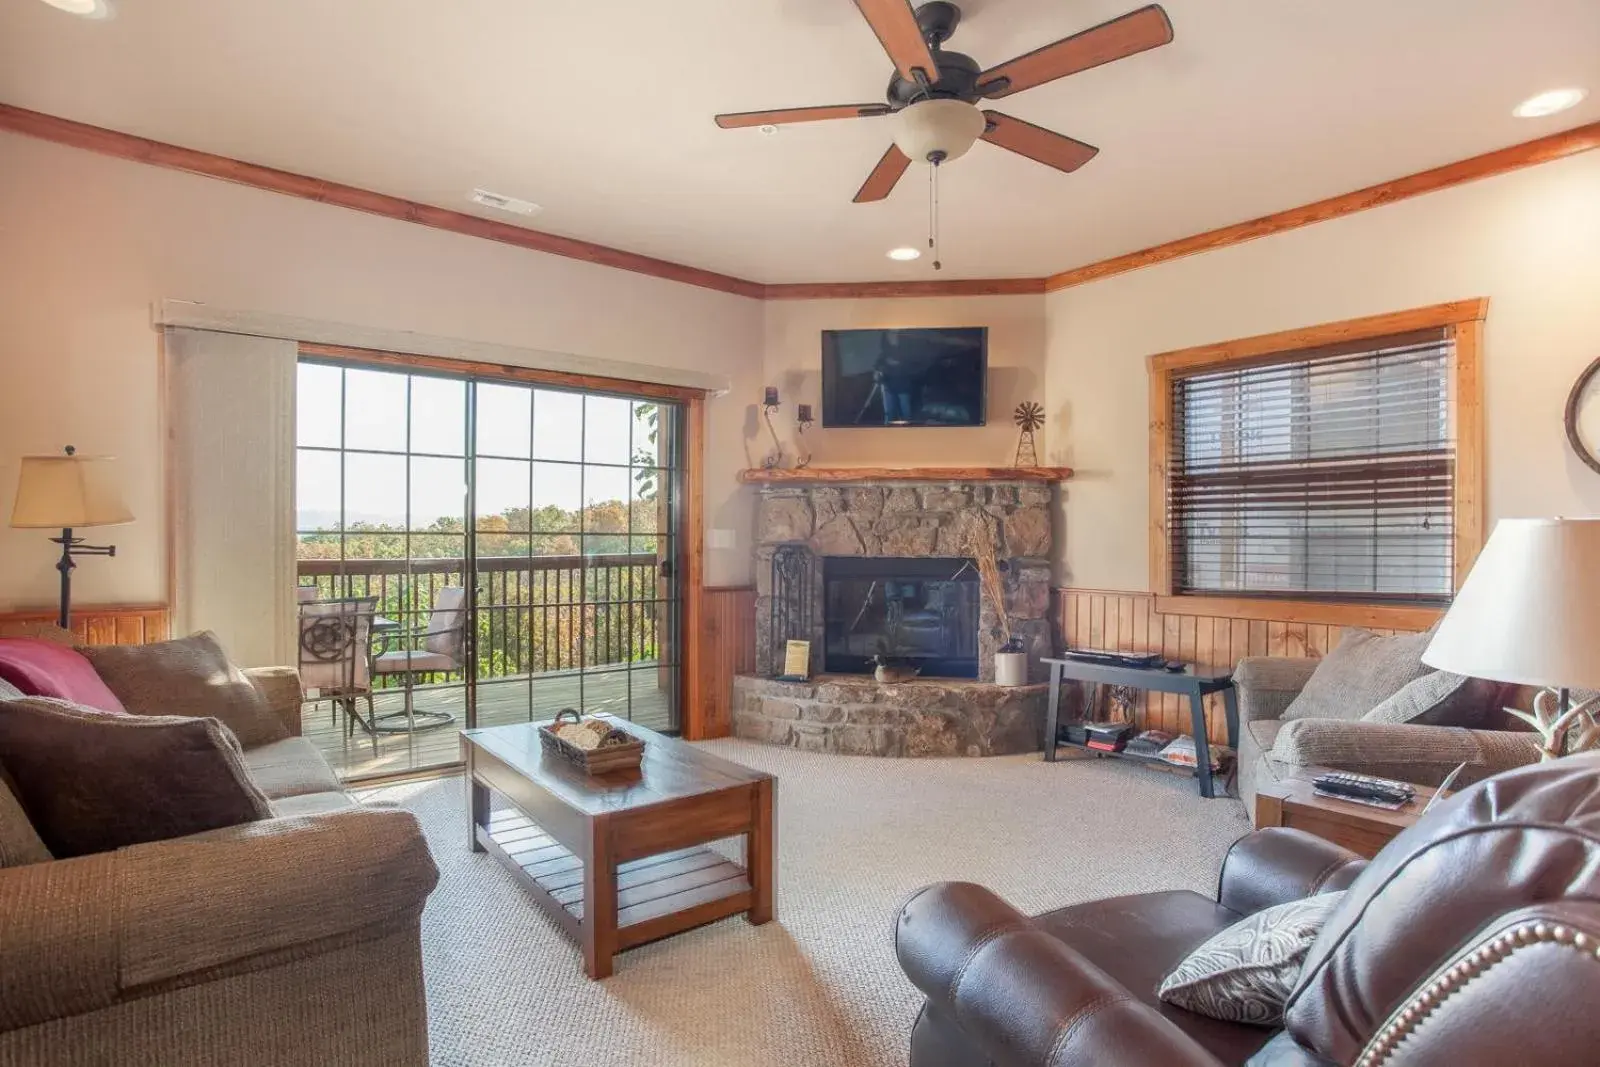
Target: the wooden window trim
pixel 1464 320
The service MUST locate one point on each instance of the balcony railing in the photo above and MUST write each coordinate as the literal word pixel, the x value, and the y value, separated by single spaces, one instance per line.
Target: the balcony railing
pixel 535 614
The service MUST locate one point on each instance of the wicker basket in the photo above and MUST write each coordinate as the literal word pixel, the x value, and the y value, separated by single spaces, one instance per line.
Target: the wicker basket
pixel 626 755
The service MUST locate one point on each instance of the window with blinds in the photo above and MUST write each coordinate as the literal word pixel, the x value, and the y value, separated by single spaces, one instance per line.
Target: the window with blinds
pixel 1322 474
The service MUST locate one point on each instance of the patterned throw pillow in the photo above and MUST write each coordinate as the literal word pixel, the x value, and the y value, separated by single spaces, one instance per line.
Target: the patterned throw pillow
pixel 1246 973
pixel 191 677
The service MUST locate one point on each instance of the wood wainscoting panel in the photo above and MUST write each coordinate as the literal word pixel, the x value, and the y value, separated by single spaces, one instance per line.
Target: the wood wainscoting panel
pixel 728 648
pixel 1130 622
pixel 136 625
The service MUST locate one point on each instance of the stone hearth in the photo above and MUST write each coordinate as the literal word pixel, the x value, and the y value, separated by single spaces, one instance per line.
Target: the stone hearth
pixel 909 519
pixel 854 715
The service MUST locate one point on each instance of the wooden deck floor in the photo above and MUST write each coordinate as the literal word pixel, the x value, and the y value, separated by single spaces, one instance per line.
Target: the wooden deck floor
pixel 499 702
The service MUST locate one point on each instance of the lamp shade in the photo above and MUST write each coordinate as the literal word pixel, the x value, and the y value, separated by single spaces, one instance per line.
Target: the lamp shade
pixel 1529 611
pixel 68 492
pixel 938 125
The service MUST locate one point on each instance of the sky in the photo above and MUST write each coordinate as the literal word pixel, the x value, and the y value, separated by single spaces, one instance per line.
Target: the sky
pixel 572 447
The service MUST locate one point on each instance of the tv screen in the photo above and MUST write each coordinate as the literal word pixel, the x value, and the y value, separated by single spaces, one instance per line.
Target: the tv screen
pixel 904 377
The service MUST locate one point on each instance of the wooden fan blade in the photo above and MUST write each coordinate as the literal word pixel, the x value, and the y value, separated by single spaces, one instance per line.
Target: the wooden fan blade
pixel 1037 143
pixel 880 183
pixel 1135 32
pixel 800 114
pixel 898 32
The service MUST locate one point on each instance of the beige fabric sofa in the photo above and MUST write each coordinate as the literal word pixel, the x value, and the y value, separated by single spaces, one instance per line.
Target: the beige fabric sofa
pixel 1270 748
pixel 293 941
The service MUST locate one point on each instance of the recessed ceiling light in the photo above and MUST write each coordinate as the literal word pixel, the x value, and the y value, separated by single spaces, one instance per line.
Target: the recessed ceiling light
pixel 1537 107
pixel 89 9
pixel 504 203
pixel 769 129
pixel 905 255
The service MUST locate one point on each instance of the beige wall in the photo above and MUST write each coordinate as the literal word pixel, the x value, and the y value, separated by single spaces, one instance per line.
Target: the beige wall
pixel 1530 241
pixel 87 244
pixel 793 363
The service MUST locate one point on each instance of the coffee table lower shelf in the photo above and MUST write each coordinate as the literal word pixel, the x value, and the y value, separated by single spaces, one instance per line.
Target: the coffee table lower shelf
pixel 656 896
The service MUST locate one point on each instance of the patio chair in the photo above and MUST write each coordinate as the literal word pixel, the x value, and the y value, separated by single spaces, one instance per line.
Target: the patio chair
pixel 442 651
pixel 335 650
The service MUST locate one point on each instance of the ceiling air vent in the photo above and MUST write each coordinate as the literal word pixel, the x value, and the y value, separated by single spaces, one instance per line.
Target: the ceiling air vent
pixel 504 203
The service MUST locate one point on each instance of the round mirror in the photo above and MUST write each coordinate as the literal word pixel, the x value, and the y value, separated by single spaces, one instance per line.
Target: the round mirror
pixel 1583 416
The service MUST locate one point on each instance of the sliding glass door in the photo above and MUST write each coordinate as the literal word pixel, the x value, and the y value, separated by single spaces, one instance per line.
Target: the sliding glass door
pixel 513 544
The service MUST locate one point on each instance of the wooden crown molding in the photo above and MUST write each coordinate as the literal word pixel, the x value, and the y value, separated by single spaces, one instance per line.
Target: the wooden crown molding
pixel 1527 154
pixel 156 153
pixel 871 290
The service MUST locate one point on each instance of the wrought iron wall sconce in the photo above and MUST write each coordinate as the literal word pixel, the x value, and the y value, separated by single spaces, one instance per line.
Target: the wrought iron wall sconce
pixel 802 423
pixel 769 405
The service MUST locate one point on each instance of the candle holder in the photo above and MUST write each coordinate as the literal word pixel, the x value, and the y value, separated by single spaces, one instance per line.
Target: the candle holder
pixel 802 423
pixel 769 404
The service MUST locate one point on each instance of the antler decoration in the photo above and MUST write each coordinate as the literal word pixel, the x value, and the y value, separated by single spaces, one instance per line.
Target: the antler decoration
pixel 1553 724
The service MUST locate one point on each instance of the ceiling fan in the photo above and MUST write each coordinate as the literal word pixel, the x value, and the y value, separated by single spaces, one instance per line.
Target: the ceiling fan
pixel 934 93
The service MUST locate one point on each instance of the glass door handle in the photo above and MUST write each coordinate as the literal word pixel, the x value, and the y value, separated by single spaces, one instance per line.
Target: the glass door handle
pixel 666 568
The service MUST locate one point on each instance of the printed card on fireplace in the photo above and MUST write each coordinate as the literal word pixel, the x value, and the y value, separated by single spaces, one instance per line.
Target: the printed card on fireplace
pixel 796 661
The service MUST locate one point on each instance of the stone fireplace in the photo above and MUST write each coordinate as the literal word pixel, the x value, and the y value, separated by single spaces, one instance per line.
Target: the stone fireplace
pixel 889 573
pixel 869 564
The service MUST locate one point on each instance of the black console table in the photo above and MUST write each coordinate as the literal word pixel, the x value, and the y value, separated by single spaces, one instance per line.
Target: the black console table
pixel 1193 682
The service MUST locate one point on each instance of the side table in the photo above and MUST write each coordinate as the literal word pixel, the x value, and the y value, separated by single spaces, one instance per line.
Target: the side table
pixel 1361 828
pixel 1192 682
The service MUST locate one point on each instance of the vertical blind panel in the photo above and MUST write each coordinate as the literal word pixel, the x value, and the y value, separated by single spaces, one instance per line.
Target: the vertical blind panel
pixel 1324 476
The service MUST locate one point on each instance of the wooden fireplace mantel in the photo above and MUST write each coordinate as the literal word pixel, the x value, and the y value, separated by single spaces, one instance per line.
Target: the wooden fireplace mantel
pixel 815 475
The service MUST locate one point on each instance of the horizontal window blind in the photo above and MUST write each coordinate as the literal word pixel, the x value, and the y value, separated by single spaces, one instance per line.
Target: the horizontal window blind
pixel 1324 474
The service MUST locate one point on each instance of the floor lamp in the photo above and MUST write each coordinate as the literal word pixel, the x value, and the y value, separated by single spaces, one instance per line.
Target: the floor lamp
pixel 69 492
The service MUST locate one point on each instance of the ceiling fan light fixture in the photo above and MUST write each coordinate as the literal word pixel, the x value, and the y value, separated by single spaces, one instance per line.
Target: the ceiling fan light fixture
pixel 89 9
pixel 1548 103
pixel 905 255
pixel 942 127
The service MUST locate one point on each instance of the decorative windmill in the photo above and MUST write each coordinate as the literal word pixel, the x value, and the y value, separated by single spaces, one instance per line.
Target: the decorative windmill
pixel 1029 417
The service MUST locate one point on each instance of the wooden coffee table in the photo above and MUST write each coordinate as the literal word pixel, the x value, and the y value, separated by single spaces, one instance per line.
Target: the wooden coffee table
pixel 612 857
pixel 1361 828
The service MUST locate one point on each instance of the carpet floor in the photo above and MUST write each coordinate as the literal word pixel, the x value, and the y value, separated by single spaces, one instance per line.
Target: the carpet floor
pixel 819 986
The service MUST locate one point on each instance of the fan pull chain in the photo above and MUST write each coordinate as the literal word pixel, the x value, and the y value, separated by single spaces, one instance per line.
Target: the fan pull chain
pixel 933 213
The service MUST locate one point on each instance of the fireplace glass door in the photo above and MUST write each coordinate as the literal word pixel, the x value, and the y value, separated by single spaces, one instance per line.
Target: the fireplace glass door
pixel 921 613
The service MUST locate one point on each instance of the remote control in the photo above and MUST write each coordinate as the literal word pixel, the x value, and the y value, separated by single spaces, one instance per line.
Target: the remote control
pixel 1364 787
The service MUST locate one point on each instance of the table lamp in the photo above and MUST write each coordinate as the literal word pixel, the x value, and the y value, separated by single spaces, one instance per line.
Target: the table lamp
pixel 1529 614
pixel 69 492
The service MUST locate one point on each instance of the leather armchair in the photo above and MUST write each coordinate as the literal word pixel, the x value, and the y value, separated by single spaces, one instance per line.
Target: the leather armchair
pixel 1472 939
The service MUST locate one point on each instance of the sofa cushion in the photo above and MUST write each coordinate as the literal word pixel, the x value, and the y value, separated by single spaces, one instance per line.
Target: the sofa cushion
pixel 1439 698
pixel 1246 973
pixel 312 804
pixel 90 781
pixel 39 668
pixel 19 841
pixel 1361 672
pixel 289 768
pixel 188 677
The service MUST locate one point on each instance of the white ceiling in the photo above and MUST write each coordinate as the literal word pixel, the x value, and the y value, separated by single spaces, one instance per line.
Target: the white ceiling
pixel 600 110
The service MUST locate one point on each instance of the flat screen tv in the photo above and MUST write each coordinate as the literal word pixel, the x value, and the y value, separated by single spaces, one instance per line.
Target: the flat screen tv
pixel 904 377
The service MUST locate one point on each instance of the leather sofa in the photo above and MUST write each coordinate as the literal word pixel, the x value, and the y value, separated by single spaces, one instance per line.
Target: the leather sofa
pixel 1470 940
